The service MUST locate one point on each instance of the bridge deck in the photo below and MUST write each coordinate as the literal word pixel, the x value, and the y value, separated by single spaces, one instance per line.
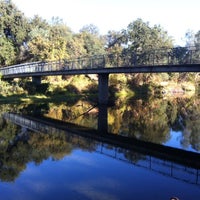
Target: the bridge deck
pixel 179 59
pixel 113 70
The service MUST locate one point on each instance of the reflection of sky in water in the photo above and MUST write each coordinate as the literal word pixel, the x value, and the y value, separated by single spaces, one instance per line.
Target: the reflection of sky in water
pixel 83 175
pixel 176 140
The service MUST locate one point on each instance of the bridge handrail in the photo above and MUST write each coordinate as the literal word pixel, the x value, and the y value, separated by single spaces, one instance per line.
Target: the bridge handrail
pixel 151 57
pixel 21 65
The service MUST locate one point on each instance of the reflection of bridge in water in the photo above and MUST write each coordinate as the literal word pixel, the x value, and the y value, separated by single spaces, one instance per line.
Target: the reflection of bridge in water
pixel 180 165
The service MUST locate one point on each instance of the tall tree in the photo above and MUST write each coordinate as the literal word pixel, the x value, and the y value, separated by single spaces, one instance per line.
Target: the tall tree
pixel 7 52
pixel 116 41
pixel 93 42
pixel 141 36
pixel 13 29
pixel 146 41
pixel 48 41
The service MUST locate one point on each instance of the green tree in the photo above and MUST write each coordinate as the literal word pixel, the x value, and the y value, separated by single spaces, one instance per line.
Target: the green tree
pixel 116 41
pixel 93 42
pixel 13 29
pixel 143 37
pixel 7 53
pixel 48 41
pixel 60 34
pixel 148 44
pixel 75 47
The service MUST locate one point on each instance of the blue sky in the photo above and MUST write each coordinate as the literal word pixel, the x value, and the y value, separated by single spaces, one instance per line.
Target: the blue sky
pixel 175 16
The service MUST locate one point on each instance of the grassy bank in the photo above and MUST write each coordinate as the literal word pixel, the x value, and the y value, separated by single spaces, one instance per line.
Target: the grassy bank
pixel 73 88
pixel 23 98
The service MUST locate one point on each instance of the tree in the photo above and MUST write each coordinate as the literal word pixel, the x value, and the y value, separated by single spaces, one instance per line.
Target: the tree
pixel 116 41
pixel 13 31
pixel 197 39
pixel 7 53
pixel 189 38
pixel 38 22
pixel 91 28
pixel 14 24
pixel 75 47
pixel 48 41
pixel 93 43
pixel 193 44
pixel 143 43
pixel 59 35
pixel 143 37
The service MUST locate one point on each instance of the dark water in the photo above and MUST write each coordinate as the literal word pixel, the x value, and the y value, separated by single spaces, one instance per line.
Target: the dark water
pixel 80 151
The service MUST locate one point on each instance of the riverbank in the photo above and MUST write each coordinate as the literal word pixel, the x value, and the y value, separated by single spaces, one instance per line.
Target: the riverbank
pixel 174 89
pixel 82 87
pixel 40 98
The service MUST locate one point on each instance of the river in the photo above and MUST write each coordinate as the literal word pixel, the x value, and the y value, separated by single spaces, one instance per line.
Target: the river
pixel 136 149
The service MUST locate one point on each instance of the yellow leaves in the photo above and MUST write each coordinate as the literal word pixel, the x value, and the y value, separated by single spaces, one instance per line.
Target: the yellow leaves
pixel 39 47
pixel 44 49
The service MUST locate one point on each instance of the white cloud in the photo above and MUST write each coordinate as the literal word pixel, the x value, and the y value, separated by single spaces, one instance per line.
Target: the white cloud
pixel 93 189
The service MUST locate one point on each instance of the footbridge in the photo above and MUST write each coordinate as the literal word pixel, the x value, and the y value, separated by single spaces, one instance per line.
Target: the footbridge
pixel 168 161
pixel 180 59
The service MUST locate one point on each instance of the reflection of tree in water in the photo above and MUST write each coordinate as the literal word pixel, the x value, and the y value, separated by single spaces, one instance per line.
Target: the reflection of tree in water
pixel 36 109
pixel 149 120
pixel 80 113
pixel 144 120
pixel 190 123
pixel 132 156
pixel 18 150
pixel 19 146
pixel 152 120
pixel 24 146
pixel 172 112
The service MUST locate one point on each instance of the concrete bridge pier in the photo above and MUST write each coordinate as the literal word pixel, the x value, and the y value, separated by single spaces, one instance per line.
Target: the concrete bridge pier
pixel 103 88
pixel 37 80
pixel 103 119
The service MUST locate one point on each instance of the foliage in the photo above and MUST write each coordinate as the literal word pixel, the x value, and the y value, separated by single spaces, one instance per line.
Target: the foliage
pixel 48 41
pixel 115 41
pixel 93 43
pixel 13 32
pixel 12 88
pixel 7 53
pixel 138 38
pixel 143 37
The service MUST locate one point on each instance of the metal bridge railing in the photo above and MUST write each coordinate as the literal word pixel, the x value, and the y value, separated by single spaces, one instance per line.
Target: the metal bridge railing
pixel 152 57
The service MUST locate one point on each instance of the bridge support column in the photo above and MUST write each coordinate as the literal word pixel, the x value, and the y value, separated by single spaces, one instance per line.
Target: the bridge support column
pixel 103 119
pixel 103 88
pixel 37 80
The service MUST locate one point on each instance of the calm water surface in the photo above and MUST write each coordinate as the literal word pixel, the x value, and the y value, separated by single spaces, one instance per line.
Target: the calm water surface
pixel 44 154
